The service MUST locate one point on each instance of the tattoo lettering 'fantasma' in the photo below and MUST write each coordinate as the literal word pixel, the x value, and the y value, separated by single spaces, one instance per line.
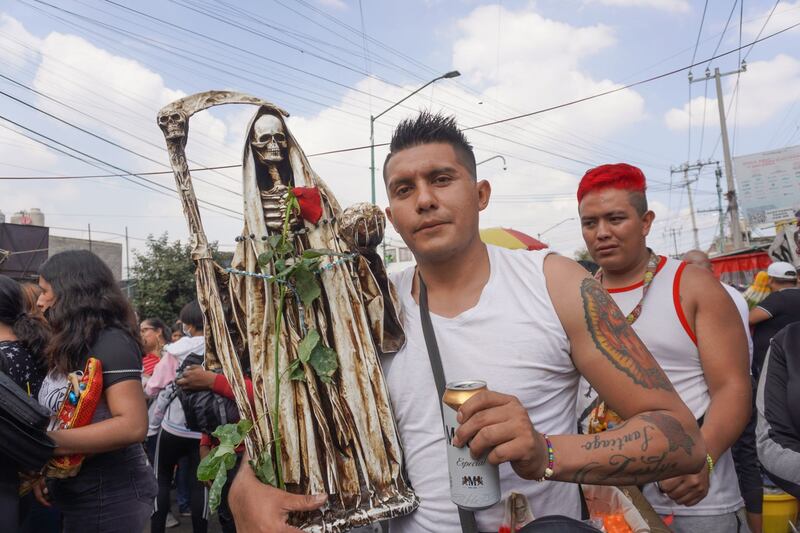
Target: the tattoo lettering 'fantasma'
pixel 672 429
pixel 616 340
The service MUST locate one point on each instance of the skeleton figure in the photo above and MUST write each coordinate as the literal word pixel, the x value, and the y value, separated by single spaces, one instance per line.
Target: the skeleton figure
pixel 269 145
pixel 338 437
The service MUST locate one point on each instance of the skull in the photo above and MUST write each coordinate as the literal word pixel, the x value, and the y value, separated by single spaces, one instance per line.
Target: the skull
pixel 173 124
pixel 269 140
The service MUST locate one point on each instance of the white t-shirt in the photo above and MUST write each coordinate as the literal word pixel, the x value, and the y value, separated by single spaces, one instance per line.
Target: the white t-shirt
pixel 513 340
pixel 744 312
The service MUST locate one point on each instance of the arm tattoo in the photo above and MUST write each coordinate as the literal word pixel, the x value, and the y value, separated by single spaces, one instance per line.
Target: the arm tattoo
pixel 628 465
pixel 616 340
pixel 672 429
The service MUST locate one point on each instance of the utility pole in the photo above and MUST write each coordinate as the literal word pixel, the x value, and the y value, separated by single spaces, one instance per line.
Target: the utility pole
pixel 684 169
pixel 127 264
pixel 733 204
pixel 673 232
pixel 90 236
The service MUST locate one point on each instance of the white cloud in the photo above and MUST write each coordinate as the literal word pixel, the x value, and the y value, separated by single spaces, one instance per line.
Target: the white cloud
pixel 19 47
pixel 677 6
pixel 123 97
pixel 540 64
pixel 765 89
pixel 785 14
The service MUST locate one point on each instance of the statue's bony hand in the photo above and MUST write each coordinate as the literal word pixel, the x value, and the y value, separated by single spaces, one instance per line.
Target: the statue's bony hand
pixel 362 227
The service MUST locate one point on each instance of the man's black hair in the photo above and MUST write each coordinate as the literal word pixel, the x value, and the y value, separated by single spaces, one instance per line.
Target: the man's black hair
pixel 428 128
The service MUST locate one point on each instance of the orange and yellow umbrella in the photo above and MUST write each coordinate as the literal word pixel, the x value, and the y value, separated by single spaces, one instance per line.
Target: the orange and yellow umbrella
pixel 510 238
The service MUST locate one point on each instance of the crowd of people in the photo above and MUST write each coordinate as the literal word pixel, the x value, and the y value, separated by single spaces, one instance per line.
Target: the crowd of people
pixel 642 374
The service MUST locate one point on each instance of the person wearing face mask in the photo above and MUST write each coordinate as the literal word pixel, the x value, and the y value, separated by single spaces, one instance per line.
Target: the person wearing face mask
pixel 175 440
pixel 90 317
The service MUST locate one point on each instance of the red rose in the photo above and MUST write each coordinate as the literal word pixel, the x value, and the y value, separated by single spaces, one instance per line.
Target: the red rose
pixel 310 203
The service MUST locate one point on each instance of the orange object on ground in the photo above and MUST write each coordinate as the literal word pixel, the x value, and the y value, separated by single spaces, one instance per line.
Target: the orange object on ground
pixel 80 402
pixel 615 523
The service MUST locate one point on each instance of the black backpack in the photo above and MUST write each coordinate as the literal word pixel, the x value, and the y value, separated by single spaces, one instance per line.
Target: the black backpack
pixel 204 410
pixel 23 428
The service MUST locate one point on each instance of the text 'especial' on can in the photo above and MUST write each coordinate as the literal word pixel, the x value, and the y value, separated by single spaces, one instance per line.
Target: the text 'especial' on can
pixel 474 483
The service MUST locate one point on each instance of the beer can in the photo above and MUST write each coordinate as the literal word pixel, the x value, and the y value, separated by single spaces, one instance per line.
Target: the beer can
pixel 474 483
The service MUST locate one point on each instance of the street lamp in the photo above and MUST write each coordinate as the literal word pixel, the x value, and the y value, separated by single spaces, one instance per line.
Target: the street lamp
pixel 494 157
pixel 372 119
pixel 539 235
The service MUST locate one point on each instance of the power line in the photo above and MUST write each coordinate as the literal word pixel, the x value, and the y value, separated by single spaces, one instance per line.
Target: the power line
pixel 630 85
pixel 103 139
pixel 524 115
pixel 154 183
pixel 746 55
pixel 694 56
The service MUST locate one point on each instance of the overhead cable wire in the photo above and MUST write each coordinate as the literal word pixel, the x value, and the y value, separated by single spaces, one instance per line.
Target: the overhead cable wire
pixel 627 86
pixel 694 56
pixel 151 182
pixel 103 139
pixel 747 54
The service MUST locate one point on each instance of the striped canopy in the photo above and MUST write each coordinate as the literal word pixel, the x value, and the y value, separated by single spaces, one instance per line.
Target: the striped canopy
pixel 510 238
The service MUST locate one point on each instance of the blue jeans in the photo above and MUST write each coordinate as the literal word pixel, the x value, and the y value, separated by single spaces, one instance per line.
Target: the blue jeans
pixel 113 493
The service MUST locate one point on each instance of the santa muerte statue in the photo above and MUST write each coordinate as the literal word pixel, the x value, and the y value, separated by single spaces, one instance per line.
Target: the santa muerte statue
pixel 307 306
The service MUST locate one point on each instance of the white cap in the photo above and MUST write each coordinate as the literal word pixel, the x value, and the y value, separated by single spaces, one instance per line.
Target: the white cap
pixel 782 270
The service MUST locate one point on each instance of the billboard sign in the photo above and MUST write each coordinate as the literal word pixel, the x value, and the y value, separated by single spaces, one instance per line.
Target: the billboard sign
pixel 768 182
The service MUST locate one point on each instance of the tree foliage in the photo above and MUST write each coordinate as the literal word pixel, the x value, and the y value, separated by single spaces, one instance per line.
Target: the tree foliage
pixel 582 254
pixel 163 277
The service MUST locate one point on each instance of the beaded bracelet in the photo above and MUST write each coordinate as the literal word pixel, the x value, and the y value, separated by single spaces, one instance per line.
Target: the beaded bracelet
pixel 710 463
pixel 551 459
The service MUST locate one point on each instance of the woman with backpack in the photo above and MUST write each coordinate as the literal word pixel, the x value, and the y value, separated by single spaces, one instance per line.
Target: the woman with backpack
pixel 90 318
pixel 175 439
pixel 22 341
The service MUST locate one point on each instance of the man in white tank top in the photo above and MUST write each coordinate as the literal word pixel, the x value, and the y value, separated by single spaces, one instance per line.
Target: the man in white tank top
pixel 691 326
pixel 528 323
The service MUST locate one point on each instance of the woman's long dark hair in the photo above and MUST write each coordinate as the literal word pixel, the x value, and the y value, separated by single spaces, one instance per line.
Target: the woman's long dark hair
pixel 31 331
pixel 87 300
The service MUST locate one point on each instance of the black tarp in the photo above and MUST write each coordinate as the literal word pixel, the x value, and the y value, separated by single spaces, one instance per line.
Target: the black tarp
pixel 27 246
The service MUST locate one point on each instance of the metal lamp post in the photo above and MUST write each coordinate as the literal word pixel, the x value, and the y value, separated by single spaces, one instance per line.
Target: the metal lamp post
pixel 554 226
pixel 372 119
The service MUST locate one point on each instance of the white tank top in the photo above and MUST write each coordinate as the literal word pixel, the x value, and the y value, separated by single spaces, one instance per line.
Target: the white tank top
pixel 513 340
pixel 665 330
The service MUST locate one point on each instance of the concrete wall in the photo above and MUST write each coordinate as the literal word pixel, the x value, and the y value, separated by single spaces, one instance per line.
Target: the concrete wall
pixel 109 252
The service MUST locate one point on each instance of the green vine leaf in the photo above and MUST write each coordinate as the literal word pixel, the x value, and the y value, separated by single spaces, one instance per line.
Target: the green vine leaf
pixel 307 346
pixel 297 372
pixel 265 258
pixel 216 464
pixel 306 284
pixel 264 469
pixel 324 361
pixel 274 240
pixel 315 253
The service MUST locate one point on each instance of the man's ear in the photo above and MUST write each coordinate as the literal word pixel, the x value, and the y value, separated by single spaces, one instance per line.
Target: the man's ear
pixel 484 193
pixel 389 215
pixel 647 221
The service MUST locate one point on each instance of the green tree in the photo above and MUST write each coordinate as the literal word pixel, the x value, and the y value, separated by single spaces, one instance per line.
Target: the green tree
pixel 582 254
pixel 163 277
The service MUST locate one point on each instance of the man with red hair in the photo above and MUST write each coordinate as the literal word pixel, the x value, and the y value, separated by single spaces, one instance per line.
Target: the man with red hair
pixel 692 328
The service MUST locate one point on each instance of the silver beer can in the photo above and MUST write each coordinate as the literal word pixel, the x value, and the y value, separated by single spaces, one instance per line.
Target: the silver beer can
pixel 474 483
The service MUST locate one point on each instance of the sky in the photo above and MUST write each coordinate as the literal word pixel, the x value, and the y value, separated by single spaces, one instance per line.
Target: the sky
pixel 81 82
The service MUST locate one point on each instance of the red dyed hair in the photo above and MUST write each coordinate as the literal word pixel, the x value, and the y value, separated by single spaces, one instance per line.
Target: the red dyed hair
pixel 615 176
